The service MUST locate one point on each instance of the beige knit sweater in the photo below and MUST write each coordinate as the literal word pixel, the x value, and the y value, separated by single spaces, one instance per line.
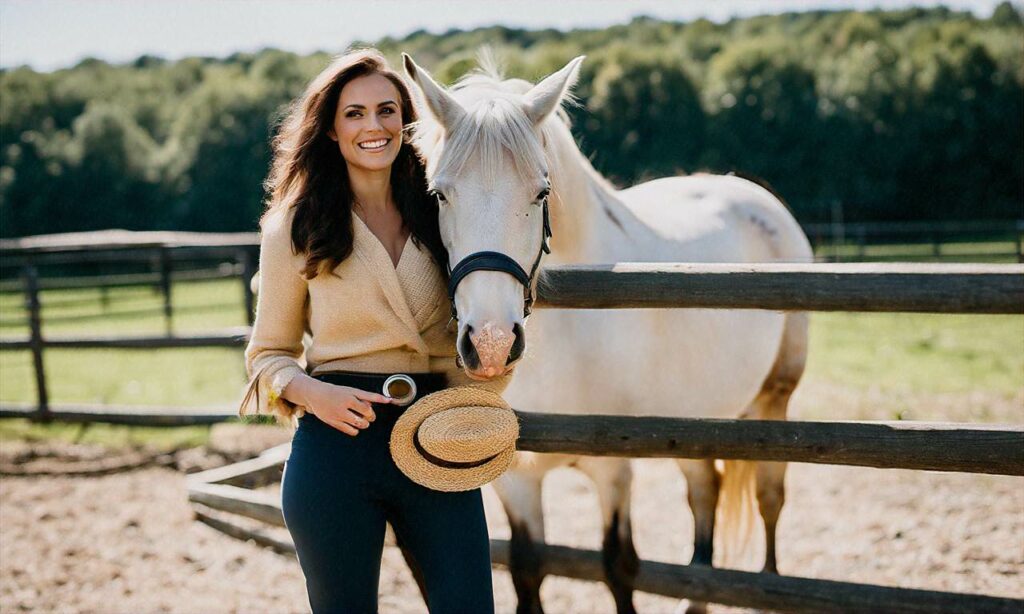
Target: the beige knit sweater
pixel 366 315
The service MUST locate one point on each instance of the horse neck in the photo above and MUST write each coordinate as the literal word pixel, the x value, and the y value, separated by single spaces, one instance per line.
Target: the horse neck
pixel 586 211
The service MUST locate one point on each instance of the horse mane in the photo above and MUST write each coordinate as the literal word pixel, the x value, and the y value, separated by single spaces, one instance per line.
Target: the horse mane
pixel 493 127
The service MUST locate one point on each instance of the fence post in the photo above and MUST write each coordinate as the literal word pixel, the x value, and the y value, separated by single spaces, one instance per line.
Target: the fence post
pixel 248 270
pixel 36 340
pixel 165 287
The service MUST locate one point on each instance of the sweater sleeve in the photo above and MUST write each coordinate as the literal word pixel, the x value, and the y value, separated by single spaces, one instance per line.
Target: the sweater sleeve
pixel 274 355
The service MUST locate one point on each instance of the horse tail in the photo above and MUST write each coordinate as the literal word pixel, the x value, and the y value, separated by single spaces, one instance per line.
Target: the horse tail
pixel 736 514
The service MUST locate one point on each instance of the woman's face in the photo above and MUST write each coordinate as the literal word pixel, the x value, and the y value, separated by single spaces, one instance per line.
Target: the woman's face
pixel 368 123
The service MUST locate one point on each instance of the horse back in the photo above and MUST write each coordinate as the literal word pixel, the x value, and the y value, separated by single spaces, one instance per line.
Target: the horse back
pixel 714 218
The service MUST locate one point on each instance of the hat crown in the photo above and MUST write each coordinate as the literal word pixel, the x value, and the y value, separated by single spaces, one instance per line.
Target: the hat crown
pixel 468 434
pixel 455 439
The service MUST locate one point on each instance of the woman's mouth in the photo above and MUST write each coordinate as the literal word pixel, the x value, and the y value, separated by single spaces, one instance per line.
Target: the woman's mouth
pixel 375 145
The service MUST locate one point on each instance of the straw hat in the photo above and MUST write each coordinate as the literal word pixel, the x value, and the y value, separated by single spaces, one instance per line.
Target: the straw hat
pixel 455 439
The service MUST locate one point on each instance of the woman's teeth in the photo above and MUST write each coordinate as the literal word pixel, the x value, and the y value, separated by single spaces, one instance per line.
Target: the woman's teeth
pixel 370 145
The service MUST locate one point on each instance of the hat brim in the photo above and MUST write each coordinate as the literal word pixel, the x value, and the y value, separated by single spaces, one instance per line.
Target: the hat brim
pixel 421 470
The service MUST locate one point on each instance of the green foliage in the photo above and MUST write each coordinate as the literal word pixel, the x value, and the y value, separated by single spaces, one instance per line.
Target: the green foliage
pixel 909 114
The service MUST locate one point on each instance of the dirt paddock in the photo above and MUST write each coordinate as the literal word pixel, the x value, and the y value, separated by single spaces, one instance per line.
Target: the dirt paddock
pixel 127 542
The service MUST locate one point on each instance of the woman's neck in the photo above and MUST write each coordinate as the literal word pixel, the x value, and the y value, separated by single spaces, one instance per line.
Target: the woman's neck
pixel 371 189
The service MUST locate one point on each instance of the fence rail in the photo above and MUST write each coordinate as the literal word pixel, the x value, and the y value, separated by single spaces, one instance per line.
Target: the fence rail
pixel 974 448
pixel 893 287
pixel 946 288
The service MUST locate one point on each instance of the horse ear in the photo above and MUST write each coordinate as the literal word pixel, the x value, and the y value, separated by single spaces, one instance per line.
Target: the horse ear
pixel 441 104
pixel 545 97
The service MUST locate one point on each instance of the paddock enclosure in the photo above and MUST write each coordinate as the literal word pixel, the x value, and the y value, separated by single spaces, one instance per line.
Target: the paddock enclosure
pixel 857 287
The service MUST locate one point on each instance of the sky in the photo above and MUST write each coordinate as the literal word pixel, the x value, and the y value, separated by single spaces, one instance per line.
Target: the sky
pixel 52 34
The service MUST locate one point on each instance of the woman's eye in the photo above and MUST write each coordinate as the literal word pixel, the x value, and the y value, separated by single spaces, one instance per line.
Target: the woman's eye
pixel 353 114
pixel 387 111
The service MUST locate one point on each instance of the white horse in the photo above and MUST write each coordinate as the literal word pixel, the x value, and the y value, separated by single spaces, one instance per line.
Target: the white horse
pixel 493 148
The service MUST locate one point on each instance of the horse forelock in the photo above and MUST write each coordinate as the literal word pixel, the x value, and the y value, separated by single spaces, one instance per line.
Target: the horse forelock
pixel 493 130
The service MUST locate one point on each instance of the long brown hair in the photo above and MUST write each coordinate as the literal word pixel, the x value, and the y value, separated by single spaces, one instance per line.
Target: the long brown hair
pixel 309 173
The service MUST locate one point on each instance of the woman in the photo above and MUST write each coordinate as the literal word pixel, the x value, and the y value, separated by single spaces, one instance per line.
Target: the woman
pixel 351 252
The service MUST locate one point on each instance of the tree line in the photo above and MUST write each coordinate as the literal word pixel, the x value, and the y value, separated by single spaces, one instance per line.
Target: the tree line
pixel 894 115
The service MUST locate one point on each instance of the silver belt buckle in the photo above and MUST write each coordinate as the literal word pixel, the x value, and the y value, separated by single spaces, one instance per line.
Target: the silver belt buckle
pixel 400 388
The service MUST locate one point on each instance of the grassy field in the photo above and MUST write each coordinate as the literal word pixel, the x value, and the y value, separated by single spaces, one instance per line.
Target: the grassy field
pixel 884 353
pixel 987 251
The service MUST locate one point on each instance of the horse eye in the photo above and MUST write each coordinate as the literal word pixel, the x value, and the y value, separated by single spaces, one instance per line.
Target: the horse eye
pixel 441 200
pixel 543 194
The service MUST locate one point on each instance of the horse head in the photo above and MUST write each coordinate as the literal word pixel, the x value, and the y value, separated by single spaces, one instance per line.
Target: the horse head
pixel 483 145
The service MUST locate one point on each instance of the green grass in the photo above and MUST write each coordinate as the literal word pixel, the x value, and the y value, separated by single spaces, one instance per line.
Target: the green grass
pixel 194 300
pixel 172 377
pixel 988 251
pixel 108 435
pixel 918 352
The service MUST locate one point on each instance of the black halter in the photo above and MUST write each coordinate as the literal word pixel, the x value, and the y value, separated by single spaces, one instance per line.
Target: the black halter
pixel 496 261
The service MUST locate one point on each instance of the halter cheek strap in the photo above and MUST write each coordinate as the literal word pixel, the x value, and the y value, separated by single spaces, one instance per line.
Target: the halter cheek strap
pixel 496 261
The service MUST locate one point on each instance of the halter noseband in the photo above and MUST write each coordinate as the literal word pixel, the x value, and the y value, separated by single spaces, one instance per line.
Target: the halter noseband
pixel 496 261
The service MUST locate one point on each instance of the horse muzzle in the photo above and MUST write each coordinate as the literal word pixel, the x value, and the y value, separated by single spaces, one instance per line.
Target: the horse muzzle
pixel 492 350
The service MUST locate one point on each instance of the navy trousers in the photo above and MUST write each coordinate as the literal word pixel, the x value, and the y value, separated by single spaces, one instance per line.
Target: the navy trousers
pixel 338 492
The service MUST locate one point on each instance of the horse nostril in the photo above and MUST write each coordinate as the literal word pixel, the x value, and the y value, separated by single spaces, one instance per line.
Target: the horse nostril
pixel 468 351
pixel 518 345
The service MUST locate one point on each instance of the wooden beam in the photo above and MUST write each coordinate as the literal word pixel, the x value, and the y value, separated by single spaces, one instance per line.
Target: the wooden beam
pixel 974 448
pixel 125 415
pixel 117 280
pixel 248 503
pixel 253 473
pixel 762 591
pixel 241 533
pixel 936 288
pixel 231 337
pixel 36 342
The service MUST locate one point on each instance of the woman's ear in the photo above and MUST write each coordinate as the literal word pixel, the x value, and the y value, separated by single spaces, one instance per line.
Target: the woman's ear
pixel 332 134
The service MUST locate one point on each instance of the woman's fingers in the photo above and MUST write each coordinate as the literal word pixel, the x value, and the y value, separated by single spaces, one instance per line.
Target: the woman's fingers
pixel 371 397
pixel 344 427
pixel 362 410
pixel 355 419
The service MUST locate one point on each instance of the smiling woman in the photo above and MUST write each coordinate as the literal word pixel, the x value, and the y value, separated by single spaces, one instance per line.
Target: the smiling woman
pixel 351 252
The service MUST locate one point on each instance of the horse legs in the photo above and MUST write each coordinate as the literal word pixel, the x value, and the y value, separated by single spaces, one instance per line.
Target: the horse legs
pixel 520 493
pixel 772 403
pixel 613 478
pixel 702 493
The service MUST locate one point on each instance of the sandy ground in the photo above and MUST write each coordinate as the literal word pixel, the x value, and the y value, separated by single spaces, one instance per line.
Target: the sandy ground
pixel 128 543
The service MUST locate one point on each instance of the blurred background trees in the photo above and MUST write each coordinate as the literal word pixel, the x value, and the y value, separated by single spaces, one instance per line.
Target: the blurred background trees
pixel 895 115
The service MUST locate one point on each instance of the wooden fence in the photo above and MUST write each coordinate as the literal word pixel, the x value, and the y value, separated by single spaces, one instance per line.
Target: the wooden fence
pixel 932 288
pixel 838 241
pixel 997 449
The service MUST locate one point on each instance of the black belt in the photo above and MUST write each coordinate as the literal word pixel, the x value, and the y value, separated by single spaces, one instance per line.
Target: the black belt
pixel 425 383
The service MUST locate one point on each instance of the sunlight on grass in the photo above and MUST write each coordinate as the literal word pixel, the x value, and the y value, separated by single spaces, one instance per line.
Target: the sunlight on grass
pixel 919 352
pixel 113 436
pixel 173 377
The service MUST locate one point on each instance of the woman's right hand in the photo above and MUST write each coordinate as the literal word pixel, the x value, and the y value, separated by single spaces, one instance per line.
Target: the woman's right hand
pixel 346 409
